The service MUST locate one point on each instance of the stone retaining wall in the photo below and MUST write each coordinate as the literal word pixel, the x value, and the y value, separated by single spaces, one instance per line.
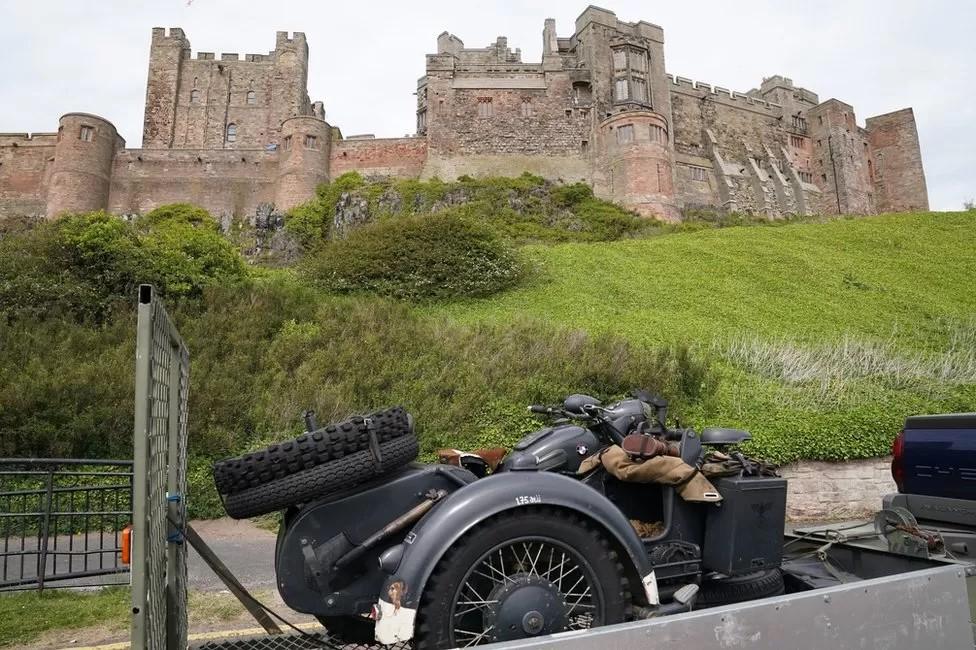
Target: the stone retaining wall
pixel 824 491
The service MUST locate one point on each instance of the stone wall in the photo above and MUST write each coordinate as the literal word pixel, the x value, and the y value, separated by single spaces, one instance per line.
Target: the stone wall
pixel 820 491
pixel 25 166
pixel 897 167
pixel 379 157
pixel 222 182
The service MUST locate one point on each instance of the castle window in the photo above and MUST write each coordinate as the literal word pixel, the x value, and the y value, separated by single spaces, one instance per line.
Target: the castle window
pixel 311 142
pixel 806 177
pixel 630 74
pixel 421 121
pixel 659 134
pixel 484 107
pixel 287 142
pixel 585 146
pixel 621 90
pixel 87 133
pixel 526 108
pixel 823 177
pixel 796 141
pixel 870 170
pixel 625 134
pixel 251 98
pixel 799 123
pixel 194 96
pixel 231 132
pixel 699 174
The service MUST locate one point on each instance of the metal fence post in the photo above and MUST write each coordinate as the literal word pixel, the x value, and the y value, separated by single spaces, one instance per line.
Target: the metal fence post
pixel 45 531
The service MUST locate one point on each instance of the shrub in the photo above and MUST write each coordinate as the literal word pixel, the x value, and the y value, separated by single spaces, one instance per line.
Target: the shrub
pixel 524 208
pixel 311 222
pixel 416 258
pixel 84 265
pixel 182 213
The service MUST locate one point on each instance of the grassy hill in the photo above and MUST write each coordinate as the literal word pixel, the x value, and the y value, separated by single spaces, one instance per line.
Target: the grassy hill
pixel 825 335
pixel 817 336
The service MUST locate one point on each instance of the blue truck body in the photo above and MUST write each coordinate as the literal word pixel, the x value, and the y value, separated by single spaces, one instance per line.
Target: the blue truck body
pixel 937 456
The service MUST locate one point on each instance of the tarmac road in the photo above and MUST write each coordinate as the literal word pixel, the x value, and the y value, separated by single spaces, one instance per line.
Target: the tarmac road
pixel 247 550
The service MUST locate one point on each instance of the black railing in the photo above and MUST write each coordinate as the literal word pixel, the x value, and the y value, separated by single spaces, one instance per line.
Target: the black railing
pixel 61 522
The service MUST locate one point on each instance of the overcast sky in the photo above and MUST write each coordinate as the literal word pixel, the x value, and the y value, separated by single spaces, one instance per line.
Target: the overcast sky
pixel 365 56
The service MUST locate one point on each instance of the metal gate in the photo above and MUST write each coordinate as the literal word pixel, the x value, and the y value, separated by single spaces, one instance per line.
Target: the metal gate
pixel 159 480
pixel 61 522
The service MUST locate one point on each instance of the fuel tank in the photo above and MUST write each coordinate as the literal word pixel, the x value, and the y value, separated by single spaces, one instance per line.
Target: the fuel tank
pixel 555 449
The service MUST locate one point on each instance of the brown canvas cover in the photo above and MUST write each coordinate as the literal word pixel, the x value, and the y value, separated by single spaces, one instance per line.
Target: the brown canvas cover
pixel 663 470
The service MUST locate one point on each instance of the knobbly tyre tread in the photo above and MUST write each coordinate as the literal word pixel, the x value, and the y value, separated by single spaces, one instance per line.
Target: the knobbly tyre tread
pixel 318 481
pixel 233 475
pixel 740 589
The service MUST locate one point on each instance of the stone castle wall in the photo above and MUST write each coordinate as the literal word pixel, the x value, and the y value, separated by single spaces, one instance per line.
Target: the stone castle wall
pixel 598 108
pixel 25 168
pixel 379 157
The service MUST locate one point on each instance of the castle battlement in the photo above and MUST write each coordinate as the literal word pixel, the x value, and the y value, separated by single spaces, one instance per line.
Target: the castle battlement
pixel 233 132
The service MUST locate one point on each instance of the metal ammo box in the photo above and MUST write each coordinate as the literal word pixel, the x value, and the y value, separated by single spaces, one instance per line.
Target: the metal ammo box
pixel 742 534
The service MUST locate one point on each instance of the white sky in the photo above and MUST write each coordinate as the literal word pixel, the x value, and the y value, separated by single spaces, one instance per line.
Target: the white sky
pixel 58 56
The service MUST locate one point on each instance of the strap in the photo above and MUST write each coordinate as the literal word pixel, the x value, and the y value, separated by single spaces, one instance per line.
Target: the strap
pixel 374 444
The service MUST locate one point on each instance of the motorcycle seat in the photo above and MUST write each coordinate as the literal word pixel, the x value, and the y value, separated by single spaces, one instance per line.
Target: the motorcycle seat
pixel 722 436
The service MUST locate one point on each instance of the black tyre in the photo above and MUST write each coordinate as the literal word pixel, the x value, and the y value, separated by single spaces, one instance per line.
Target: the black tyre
pixel 350 629
pixel 724 591
pixel 233 475
pixel 317 482
pixel 522 574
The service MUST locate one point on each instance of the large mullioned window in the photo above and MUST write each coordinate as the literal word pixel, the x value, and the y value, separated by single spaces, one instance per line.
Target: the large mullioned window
pixel 630 75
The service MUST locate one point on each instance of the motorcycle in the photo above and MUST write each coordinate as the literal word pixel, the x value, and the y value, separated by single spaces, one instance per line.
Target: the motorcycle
pixel 544 541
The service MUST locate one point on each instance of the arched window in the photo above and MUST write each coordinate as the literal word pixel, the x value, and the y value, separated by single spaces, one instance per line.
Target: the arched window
pixel 231 132
pixel 194 96
pixel 251 98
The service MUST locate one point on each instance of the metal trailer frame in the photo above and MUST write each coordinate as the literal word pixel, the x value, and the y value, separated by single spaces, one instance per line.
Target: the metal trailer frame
pixel 159 569
pixel 909 611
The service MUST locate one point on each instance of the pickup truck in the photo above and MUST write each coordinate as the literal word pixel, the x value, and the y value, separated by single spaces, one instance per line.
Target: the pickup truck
pixel 934 466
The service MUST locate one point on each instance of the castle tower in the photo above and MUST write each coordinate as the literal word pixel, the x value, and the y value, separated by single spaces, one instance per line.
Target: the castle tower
pixel 637 162
pixel 82 169
pixel 632 100
pixel 306 142
pixel 166 55
pixel 289 94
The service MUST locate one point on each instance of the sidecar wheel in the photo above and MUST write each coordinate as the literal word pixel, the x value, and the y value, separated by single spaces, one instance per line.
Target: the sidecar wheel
pixel 521 575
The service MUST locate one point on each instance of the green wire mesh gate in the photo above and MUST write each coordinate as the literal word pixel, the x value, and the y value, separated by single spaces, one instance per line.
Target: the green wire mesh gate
pixel 159 574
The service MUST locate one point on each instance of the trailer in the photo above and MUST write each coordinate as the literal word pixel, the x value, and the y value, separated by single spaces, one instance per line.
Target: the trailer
pixel 859 585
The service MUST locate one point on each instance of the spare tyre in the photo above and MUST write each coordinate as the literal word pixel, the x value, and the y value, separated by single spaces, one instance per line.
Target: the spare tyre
pixel 311 449
pixel 317 482
pixel 739 589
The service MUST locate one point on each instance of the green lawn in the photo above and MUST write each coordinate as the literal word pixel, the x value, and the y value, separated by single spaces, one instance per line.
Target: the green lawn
pixel 905 276
pixel 825 335
pixel 24 616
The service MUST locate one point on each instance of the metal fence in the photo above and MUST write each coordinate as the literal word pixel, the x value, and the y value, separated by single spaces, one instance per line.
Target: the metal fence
pixel 159 573
pixel 61 522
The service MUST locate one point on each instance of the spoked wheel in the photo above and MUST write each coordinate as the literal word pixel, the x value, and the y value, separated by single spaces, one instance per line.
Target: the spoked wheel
pixel 522 575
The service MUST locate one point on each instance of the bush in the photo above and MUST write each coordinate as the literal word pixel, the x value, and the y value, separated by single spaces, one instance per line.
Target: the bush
pixel 84 265
pixel 524 208
pixel 416 258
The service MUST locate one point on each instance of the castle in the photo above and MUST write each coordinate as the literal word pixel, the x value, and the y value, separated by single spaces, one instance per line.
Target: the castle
pixel 232 133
